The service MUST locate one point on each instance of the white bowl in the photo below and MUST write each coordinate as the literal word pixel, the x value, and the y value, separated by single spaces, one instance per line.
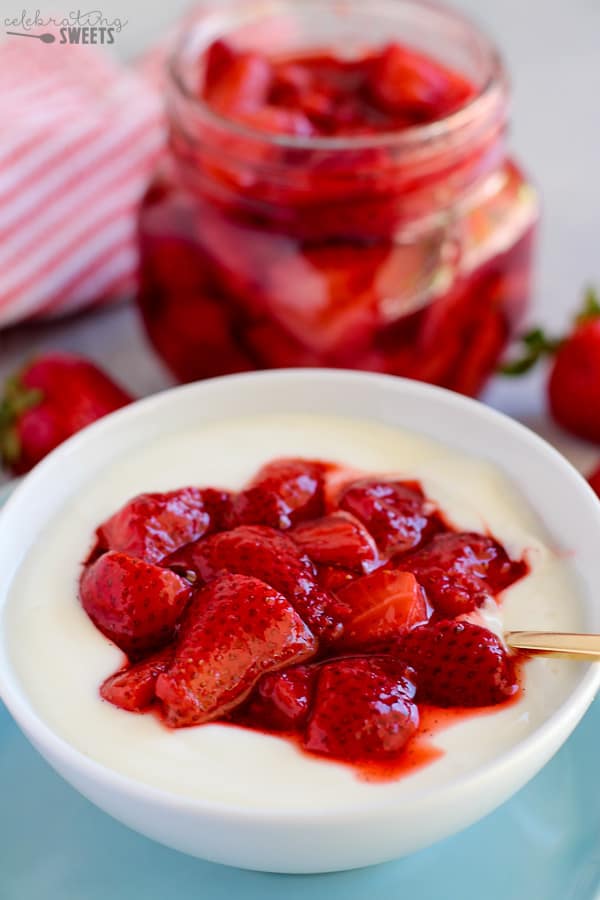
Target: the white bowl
pixel 324 839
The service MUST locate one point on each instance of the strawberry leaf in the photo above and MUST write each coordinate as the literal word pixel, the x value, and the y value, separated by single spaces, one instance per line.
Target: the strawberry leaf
pixel 591 307
pixel 10 445
pixel 17 400
pixel 535 346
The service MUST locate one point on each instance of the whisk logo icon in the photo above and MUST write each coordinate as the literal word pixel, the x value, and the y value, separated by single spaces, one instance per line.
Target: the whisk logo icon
pixel 77 27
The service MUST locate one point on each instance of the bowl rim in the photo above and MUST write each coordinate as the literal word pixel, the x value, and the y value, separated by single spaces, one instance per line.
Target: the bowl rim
pixel 551 733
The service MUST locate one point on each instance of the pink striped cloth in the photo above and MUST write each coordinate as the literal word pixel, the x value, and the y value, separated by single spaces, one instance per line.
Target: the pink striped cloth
pixel 81 135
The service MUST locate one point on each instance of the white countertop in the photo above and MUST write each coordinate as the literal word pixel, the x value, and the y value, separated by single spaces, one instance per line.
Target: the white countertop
pixel 552 51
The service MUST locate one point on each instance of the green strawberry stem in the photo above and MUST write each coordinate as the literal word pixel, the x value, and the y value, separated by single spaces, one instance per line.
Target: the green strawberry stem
pixel 17 400
pixel 591 307
pixel 536 344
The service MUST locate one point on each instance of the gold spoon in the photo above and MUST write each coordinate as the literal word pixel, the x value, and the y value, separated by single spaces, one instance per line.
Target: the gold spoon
pixel 549 643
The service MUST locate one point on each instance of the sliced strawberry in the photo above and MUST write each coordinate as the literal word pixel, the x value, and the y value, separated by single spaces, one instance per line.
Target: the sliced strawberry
pixel 134 603
pixel 322 109
pixel 334 578
pixel 404 82
pixel 220 56
pixel 362 709
pixel 330 289
pixel 272 347
pixel 272 120
pixel 185 313
pixel 383 605
pixel 153 525
pixel 273 557
pixel 236 629
pixel 290 84
pixel 132 688
pixel 393 89
pixel 243 86
pixel 395 512
pixel 50 399
pixel 488 334
pixel 282 494
pixel 459 664
pixel 460 571
pixel 281 700
pixel 338 540
pixel 249 550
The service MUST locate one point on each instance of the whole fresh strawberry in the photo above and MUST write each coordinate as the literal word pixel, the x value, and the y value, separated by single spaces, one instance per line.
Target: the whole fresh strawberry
pixel 458 664
pixel 49 400
pixel 574 381
pixel 594 480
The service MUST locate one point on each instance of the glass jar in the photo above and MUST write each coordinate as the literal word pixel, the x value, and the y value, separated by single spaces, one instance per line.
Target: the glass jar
pixel 406 252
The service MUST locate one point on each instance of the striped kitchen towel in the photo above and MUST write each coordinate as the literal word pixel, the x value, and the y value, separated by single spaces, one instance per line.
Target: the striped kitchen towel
pixel 80 137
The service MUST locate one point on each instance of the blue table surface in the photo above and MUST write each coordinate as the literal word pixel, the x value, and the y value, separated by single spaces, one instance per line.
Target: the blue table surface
pixel 542 845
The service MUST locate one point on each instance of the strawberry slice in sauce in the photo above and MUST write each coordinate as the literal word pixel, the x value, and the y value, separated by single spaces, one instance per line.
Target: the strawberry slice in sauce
pixel 134 603
pixel 153 525
pixel 282 494
pixel 274 558
pixel 460 571
pixel 338 540
pixel 363 709
pixel 383 605
pixel 133 687
pixel 396 513
pixel 236 629
pixel 281 700
pixel 459 664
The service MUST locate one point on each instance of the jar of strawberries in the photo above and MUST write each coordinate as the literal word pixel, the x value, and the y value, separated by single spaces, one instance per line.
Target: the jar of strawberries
pixel 337 193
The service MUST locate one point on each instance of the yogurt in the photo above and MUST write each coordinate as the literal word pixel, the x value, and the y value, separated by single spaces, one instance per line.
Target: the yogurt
pixel 62 659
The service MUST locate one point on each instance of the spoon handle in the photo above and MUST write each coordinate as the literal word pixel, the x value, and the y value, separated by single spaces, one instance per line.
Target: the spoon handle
pixel 548 643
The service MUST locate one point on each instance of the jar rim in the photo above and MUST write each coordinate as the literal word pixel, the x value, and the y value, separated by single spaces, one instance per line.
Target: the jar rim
pixel 490 95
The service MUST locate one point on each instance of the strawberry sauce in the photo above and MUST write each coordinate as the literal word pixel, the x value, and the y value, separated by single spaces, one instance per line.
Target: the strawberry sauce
pixel 334 609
